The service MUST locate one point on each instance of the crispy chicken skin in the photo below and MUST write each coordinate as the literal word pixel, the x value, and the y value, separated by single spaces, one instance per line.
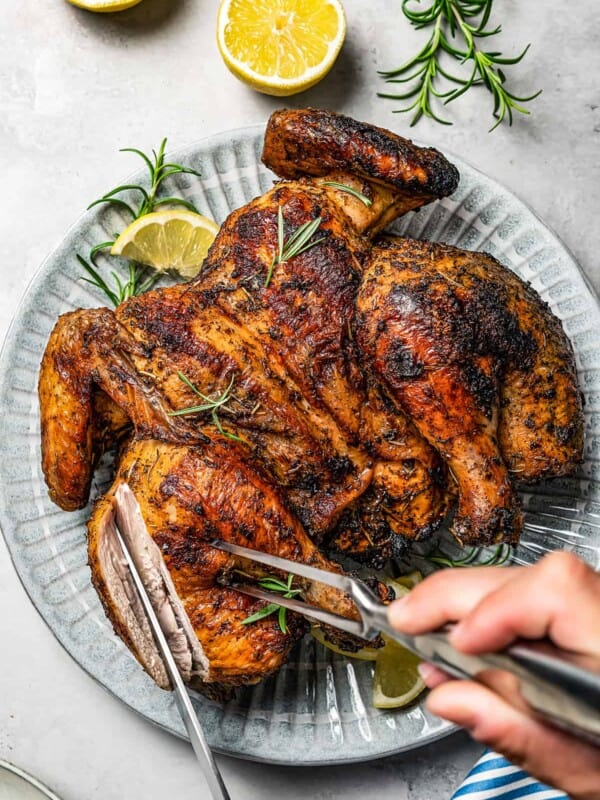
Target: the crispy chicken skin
pixel 362 380
pixel 300 396
pixel 190 495
pixel 300 400
pixel 481 366
pixel 282 346
pixel 88 351
pixel 300 406
pixel 397 175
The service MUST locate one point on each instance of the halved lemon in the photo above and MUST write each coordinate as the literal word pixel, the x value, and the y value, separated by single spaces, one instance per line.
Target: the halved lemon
pixel 397 681
pixel 168 240
pixel 280 47
pixel 104 6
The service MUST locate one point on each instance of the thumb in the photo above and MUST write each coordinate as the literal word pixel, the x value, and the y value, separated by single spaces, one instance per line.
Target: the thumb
pixel 549 755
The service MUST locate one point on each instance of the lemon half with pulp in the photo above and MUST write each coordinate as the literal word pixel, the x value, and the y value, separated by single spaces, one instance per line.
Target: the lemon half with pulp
pixel 104 6
pixel 280 47
pixel 168 240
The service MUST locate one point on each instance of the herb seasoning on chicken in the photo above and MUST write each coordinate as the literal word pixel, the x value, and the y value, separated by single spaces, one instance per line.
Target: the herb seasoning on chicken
pixel 373 378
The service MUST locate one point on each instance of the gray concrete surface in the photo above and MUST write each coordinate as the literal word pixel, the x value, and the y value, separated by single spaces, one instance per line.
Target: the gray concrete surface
pixel 74 87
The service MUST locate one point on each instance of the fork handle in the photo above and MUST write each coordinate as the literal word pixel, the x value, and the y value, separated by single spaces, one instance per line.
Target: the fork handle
pixel 562 692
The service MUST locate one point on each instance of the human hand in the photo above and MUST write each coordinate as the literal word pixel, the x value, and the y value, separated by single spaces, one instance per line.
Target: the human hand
pixel 558 598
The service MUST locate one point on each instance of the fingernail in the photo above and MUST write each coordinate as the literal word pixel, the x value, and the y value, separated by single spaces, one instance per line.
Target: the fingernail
pixel 426 671
pixel 398 612
pixel 456 633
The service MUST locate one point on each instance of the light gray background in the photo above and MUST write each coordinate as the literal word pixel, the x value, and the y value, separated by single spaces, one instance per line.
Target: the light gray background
pixel 74 87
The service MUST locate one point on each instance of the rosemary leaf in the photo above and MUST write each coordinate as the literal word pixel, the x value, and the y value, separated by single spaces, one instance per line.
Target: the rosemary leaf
pixel 264 612
pixel 209 404
pixel 350 190
pixel 282 620
pixel 457 25
pixel 115 202
pixel 138 280
pixel 96 280
pixel 286 590
pixel 297 243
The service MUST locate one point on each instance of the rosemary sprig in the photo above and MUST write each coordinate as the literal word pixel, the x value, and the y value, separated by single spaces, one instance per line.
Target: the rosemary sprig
pixel 274 585
pixel 139 278
pixel 470 559
pixel 210 404
pixel 343 187
pixel 297 243
pixel 450 19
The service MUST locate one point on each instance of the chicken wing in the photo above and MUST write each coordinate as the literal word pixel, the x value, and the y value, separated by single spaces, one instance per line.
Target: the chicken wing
pixel 360 381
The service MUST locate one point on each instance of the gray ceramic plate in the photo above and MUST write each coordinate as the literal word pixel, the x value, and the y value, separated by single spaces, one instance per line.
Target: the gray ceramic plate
pixel 18 785
pixel 317 710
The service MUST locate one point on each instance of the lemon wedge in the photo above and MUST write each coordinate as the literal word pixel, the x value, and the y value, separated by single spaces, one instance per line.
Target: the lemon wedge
pixel 168 240
pixel 280 47
pixel 365 654
pixel 104 6
pixel 403 584
pixel 396 682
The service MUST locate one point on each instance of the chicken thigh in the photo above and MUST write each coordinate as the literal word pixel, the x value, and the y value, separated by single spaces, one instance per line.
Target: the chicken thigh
pixel 358 383
pixel 482 367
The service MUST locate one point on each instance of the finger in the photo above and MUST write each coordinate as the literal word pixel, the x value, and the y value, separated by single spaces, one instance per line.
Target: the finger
pixel 549 755
pixel 446 596
pixel 432 676
pixel 559 597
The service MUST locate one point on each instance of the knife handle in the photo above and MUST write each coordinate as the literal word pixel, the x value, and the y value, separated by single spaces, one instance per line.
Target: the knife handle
pixel 557 689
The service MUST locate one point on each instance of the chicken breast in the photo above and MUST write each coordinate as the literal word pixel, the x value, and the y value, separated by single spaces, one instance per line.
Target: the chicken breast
pixel 188 496
pixel 357 388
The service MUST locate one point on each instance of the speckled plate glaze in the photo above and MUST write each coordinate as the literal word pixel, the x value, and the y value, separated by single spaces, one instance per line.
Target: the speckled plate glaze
pixel 317 710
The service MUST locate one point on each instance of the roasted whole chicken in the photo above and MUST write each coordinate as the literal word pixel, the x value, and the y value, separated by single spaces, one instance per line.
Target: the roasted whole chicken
pixel 376 382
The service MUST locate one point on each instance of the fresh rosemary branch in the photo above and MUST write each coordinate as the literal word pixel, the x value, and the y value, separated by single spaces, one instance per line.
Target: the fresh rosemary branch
pixel 295 244
pixel 139 278
pixel 343 187
pixel 209 404
pixel 498 557
pixel 274 585
pixel 457 25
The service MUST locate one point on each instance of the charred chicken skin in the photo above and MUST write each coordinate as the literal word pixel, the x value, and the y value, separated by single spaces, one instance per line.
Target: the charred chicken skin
pixel 482 367
pixel 363 386
pixel 190 495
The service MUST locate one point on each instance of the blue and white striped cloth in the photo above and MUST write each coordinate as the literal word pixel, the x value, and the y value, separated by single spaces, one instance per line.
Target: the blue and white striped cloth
pixel 494 778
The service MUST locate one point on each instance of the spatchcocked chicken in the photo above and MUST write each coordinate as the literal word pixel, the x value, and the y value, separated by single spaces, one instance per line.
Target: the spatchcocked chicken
pixel 373 382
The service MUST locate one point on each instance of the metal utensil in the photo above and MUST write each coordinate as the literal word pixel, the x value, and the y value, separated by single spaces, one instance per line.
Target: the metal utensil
pixel 182 698
pixel 554 682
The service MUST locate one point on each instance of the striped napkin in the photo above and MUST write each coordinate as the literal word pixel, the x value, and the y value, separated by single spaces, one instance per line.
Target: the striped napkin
pixel 494 778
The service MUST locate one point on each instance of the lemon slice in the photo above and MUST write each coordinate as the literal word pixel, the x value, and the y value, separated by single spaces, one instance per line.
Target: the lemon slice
pixel 405 583
pixel 174 239
pixel 366 654
pixel 280 47
pixel 397 681
pixel 104 6
pixel 401 586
